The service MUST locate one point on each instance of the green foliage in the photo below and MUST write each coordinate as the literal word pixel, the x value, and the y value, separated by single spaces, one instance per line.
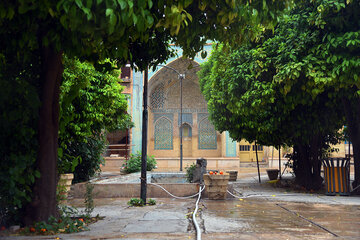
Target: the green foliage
pixel 151 202
pixel 290 86
pixel 19 106
pixel 263 91
pixel 91 103
pixel 190 172
pixel 134 31
pixel 89 200
pixel 91 100
pixel 60 193
pixel 68 211
pixel 136 202
pixel 70 221
pixel 101 29
pixel 62 225
pixel 90 152
pixel 133 164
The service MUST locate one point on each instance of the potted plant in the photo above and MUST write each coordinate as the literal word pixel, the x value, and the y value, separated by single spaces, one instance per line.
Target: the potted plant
pixel 66 168
pixel 272 173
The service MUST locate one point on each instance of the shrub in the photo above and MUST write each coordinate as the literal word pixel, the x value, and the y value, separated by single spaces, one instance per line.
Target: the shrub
pixel 136 202
pixel 89 200
pixel 190 172
pixel 133 164
pixel 152 202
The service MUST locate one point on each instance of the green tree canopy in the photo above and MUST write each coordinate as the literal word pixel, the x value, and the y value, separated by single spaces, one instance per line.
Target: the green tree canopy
pixel 91 104
pixel 126 30
pixel 276 90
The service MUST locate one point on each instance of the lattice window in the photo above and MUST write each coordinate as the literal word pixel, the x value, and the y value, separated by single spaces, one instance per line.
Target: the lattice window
pixel 244 148
pixel 207 135
pixel 157 97
pixel 186 118
pixel 259 148
pixel 163 134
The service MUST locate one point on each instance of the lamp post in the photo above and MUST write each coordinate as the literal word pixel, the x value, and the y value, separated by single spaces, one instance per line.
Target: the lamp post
pixel 181 77
pixel 143 177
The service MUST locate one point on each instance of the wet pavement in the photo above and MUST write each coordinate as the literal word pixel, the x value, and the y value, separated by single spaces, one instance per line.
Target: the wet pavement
pixel 261 212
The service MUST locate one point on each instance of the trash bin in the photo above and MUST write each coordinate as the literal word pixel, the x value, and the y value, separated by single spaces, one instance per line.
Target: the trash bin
pixel 337 176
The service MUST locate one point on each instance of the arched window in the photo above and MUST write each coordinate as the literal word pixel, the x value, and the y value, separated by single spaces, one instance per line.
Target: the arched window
pixel 207 135
pixel 163 134
pixel 186 130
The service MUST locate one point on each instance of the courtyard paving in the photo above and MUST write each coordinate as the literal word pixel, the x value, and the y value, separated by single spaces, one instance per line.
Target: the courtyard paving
pixel 261 212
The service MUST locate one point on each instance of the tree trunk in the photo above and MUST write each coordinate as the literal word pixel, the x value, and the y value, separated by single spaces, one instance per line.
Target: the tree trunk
pixel 302 165
pixel 352 114
pixel 43 204
pixel 306 166
pixel 315 156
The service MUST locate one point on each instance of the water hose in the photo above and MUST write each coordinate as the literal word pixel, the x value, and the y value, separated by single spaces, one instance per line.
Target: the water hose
pixel 174 195
pixel 198 230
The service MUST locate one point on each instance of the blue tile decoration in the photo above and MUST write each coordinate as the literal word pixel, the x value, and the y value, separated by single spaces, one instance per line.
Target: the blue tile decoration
pixel 230 146
pixel 163 132
pixel 137 111
pixel 170 116
pixel 207 133
pixel 186 118
pixel 137 97
pixel 201 116
pixel 157 97
pixel 187 110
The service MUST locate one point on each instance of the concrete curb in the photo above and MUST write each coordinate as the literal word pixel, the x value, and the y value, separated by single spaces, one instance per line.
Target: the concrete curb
pixel 128 190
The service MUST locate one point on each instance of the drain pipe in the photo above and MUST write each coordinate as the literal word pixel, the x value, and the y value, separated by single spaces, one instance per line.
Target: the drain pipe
pixel 198 230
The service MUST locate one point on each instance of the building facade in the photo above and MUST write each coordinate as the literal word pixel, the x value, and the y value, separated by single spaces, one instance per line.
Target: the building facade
pixel 166 116
pixel 170 108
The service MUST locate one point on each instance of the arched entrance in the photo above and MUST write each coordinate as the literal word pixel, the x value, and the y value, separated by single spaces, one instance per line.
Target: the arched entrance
pixel 166 117
pixel 187 140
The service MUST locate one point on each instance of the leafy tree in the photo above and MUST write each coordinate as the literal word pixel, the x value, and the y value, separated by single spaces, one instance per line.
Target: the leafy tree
pixel 330 60
pixel 19 105
pixel 337 61
pixel 91 103
pixel 138 32
pixel 267 92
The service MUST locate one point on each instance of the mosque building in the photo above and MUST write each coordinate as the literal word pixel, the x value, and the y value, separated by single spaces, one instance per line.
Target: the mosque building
pixel 167 102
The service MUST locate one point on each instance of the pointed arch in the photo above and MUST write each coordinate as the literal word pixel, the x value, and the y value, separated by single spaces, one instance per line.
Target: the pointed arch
pixel 207 135
pixel 186 130
pixel 163 134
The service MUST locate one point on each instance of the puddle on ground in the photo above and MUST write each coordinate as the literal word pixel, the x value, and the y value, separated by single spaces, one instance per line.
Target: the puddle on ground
pixel 253 214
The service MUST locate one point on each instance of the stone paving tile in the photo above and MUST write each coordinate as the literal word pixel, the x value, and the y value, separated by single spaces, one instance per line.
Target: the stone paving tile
pixel 157 226
pixel 342 220
pixel 272 215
